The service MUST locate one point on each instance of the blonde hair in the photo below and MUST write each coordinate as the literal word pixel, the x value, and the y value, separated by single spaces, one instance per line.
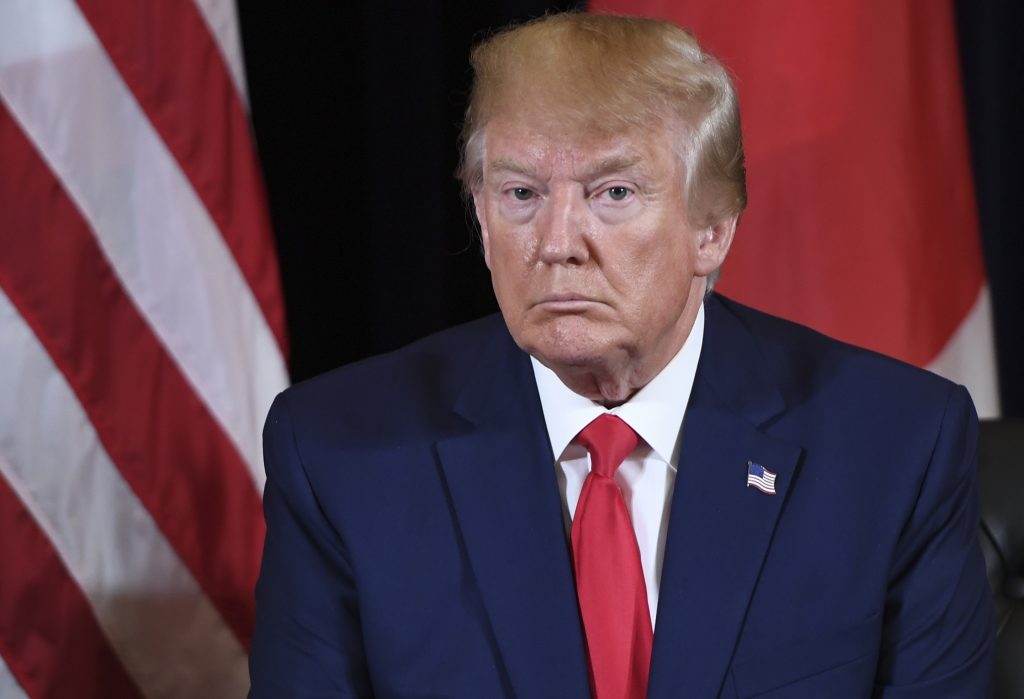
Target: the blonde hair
pixel 609 73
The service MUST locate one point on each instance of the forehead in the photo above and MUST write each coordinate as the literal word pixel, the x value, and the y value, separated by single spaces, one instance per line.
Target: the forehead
pixel 546 146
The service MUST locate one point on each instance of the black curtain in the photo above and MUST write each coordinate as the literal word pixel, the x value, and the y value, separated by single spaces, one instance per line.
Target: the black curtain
pixel 993 76
pixel 357 108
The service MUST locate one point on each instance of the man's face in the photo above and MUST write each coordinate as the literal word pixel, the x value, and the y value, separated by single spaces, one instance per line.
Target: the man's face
pixel 594 265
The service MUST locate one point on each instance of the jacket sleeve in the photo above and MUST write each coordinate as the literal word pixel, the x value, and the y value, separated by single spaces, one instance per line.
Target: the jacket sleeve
pixel 307 640
pixel 938 632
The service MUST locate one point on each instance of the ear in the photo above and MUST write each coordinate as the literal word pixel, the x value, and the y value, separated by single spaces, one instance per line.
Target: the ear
pixel 481 219
pixel 713 245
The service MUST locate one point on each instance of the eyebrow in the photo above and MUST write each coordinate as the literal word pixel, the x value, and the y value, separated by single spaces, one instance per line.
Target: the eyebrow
pixel 509 165
pixel 613 163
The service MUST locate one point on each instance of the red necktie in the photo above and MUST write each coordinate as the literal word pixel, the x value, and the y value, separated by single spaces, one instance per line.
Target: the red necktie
pixel 609 579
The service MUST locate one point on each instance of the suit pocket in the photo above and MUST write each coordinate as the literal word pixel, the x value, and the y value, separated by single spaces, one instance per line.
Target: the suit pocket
pixel 840 663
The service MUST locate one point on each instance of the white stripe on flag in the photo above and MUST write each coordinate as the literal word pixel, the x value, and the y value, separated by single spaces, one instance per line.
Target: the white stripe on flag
pixel 169 637
pixel 222 20
pixel 148 220
pixel 9 687
pixel 969 358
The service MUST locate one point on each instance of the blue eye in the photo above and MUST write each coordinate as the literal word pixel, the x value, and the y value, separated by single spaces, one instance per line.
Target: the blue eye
pixel 617 193
pixel 522 193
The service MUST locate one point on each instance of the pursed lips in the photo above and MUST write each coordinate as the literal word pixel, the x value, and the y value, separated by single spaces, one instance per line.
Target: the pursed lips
pixel 566 302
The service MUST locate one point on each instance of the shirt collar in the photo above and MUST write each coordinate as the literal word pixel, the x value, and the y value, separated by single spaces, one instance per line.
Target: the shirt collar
pixel 656 411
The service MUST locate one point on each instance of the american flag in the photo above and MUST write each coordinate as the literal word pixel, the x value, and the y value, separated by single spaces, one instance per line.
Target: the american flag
pixel 141 343
pixel 761 478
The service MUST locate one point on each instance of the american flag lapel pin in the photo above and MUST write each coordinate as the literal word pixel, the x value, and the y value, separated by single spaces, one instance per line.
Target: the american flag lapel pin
pixel 761 478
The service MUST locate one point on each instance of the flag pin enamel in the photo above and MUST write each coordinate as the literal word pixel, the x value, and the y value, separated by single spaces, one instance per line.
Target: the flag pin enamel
pixel 761 478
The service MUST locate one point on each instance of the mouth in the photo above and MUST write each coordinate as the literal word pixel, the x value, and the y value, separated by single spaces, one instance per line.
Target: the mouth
pixel 566 303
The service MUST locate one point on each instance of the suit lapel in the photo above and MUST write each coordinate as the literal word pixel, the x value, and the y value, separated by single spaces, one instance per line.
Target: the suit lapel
pixel 501 479
pixel 720 529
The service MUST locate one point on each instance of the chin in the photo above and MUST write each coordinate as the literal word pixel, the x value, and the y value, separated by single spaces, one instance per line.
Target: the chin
pixel 573 344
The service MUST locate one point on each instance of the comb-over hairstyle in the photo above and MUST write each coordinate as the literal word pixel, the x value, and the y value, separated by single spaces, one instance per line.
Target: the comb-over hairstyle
pixel 607 73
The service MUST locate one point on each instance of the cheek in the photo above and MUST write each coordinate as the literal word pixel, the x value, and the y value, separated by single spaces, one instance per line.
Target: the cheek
pixel 639 255
pixel 655 271
pixel 513 250
pixel 511 266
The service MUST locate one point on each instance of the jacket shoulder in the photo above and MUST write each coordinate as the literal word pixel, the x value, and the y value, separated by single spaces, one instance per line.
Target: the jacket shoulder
pixel 404 391
pixel 808 362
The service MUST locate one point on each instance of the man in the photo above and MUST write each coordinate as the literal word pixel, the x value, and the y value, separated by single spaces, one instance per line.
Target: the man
pixel 625 486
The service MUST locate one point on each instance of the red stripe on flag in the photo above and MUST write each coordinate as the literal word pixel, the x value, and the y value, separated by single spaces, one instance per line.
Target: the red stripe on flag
pixel 172 64
pixel 49 637
pixel 169 448
pixel 862 218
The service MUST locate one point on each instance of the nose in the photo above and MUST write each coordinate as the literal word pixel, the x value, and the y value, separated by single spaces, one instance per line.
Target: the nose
pixel 562 229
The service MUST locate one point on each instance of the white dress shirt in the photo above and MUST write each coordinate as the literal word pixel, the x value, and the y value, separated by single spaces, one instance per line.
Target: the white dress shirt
pixel 648 474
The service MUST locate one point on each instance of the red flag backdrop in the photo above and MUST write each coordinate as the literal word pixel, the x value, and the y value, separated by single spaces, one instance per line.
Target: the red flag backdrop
pixel 861 221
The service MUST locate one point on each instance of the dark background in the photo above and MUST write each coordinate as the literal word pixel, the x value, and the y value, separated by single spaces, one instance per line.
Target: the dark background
pixel 357 110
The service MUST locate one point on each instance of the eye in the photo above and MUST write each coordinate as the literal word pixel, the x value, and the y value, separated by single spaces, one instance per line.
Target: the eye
pixel 618 193
pixel 522 193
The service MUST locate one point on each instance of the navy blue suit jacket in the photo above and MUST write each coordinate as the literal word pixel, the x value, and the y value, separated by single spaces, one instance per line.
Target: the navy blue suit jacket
pixel 416 547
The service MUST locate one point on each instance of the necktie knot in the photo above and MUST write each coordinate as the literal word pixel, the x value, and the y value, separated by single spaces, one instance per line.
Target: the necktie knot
pixel 609 440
